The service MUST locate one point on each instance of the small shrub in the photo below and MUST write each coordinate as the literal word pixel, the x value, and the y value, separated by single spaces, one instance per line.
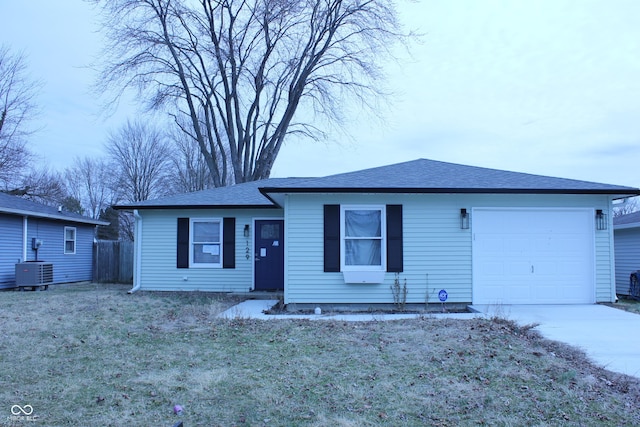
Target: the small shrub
pixel 399 291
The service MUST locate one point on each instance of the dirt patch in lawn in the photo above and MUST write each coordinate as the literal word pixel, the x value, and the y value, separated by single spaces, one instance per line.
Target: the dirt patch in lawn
pixel 308 309
pixel 97 356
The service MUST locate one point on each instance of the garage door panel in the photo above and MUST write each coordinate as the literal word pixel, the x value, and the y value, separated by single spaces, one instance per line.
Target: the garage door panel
pixel 533 256
pixel 492 268
pixel 544 293
pixel 491 245
pixel 545 268
pixel 518 293
pixel 540 244
pixel 516 246
pixel 574 266
pixel 516 268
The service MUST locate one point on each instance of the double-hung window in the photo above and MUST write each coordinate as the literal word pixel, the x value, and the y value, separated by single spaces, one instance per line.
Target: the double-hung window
pixel 363 232
pixel 206 242
pixel 69 240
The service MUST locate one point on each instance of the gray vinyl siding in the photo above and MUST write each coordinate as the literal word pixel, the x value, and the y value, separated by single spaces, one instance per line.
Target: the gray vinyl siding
pixel 67 268
pixel 627 250
pixel 10 249
pixel 437 253
pixel 157 264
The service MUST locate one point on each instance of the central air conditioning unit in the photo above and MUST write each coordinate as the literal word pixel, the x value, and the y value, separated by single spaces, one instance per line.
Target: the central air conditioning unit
pixel 34 274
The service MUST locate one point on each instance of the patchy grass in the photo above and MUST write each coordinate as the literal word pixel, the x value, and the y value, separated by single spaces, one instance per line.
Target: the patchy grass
pixel 626 304
pixel 93 355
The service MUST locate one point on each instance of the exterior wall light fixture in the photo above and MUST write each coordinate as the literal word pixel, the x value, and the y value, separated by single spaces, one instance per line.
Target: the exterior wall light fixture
pixel 601 220
pixel 246 230
pixel 464 219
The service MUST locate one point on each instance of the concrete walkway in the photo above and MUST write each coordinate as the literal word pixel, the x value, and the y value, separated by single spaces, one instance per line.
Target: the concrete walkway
pixel 610 337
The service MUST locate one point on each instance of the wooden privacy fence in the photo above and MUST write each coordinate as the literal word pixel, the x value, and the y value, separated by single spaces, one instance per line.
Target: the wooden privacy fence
pixel 113 261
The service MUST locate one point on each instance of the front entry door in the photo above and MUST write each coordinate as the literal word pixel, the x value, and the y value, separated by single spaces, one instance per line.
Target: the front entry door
pixel 269 255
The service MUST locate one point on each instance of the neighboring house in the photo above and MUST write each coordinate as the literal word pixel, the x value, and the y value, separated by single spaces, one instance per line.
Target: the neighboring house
pixel 62 238
pixel 484 236
pixel 626 232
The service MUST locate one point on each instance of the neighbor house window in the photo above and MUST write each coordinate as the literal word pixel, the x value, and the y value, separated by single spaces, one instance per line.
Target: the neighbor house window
pixel 363 233
pixel 70 240
pixel 206 242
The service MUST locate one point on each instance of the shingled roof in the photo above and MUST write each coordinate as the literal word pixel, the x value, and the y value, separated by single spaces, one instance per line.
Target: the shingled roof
pixel 417 176
pixel 430 176
pixel 18 206
pixel 627 221
pixel 243 195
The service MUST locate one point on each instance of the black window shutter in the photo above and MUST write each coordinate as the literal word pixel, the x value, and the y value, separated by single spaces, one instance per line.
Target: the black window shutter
pixel 229 243
pixel 183 243
pixel 394 239
pixel 331 238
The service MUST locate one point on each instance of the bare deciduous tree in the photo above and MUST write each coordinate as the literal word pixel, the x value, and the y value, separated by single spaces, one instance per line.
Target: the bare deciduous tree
pixel 92 182
pixel 628 206
pixel 42 185
pixel 190 171
pixel 17 107
pixel 140 158
pixel 238 71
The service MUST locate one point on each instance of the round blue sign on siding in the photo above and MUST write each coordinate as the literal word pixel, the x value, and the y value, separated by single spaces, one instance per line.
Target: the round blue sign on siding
pixel 443 295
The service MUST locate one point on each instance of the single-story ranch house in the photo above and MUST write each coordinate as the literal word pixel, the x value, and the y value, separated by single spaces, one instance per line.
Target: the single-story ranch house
pixel 35 232
pixel 484 236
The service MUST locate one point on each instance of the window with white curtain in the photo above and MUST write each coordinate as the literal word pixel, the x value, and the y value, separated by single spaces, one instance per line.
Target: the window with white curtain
pixel 363 234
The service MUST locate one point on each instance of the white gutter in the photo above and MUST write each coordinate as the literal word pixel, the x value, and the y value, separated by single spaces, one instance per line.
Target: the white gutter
pixel 625 226
pixel 137 251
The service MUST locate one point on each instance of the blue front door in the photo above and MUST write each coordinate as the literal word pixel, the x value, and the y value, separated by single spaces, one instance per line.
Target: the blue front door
pixel 269 255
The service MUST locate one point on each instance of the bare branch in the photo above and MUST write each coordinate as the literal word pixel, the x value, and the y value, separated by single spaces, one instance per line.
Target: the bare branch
pixel 93 183
pixel 140 157
pixel 17 108
pixel 238 71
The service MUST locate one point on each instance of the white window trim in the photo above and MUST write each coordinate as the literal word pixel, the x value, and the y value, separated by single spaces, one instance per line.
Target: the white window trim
pixel 75 240
pixel 383 239
pixel 193 264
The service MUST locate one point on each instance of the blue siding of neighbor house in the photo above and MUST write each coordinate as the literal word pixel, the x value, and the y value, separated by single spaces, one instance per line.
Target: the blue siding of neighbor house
pixel 157 264
pixel 76 267
pixel 66 267
pixel 627 250
pixel 10 248
pixel 437 252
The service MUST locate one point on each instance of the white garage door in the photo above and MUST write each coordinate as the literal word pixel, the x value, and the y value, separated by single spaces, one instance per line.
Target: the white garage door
pixel 533 256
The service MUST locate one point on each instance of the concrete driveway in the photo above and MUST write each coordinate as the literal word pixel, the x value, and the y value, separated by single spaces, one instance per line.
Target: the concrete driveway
pixel 610 337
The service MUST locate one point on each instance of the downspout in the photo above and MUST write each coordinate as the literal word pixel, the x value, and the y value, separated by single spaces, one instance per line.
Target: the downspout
pixel 137 252
pixel 612 251
pixel 25 225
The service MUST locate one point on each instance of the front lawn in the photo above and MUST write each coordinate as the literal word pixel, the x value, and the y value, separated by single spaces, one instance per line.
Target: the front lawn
pixel 627 304
pixel 93 355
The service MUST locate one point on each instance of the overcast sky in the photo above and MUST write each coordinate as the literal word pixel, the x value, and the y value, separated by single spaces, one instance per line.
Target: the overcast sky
pixel 550 87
